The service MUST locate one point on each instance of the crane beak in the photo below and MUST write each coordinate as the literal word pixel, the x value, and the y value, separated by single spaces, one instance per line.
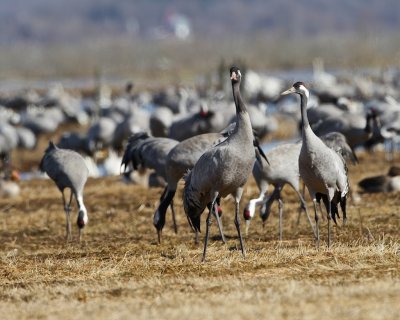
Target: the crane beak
pixel 288 91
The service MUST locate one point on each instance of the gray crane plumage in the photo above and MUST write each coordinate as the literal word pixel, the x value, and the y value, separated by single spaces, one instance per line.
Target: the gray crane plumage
pixel 67 169
pixel 323 171
pixel 144 151
pixel 76 141
pixel 283 168
pixel 101 133
pixel 26 138
pixel 41 123
pixel 338 143
pixel 322 112
pixel 222 170
pixel 204 121
pixel 357 128
pixel 160 121
pixel 180 159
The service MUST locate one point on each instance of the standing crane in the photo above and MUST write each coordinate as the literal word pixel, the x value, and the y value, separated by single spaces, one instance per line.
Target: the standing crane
pixel 323 170
pixel 179 160
pixel 222 170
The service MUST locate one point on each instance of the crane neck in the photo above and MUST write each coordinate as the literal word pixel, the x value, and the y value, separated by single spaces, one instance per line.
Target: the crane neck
pixel 368 126
pixel 182 106
pixel 162 208
pixel 237 97
pixel 81 205
pixel 304 117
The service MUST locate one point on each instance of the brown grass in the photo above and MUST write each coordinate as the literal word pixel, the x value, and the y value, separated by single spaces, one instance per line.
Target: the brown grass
pixel 119 271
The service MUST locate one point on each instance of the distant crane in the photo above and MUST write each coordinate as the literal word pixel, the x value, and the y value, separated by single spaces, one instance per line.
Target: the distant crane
pixel 383 183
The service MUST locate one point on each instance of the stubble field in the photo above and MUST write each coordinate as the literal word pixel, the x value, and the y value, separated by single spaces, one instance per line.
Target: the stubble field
pixel 120 272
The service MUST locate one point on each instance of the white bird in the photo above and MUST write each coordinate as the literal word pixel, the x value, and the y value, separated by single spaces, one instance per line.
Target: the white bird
pixel 68 170
pixel 323 171
pixel 222 170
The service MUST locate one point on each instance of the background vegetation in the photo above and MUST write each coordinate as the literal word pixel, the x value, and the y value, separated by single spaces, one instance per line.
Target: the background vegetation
pixel 53 39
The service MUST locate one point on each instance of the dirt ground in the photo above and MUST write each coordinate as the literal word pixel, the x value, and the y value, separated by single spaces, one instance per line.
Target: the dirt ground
pixel 120 272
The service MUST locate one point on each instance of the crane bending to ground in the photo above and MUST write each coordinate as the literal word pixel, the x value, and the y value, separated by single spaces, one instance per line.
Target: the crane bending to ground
pixel 67 169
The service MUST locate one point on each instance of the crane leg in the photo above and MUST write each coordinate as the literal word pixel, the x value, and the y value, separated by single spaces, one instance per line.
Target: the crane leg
pixel 304 206
pixel 219 222
pixel 280 204
pixel 237 220
pixel 67 209
pixel 329 223
pixel 301 208
pixel 68 224
pixel 321 210
pixel 208 224
pixel 173 216
pixel 316 223
pixel 392 147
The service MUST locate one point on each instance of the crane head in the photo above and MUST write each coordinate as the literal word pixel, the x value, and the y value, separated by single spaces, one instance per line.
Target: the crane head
pixel 205 112
pixel 82 218
pixel 235 74
pixel 298 88
pixel 248 214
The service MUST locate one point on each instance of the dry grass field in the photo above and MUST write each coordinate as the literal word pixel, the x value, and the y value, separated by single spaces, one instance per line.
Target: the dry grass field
pixel 120 272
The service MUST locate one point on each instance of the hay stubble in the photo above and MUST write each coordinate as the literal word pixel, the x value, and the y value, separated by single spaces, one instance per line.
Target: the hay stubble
pixel 119 271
